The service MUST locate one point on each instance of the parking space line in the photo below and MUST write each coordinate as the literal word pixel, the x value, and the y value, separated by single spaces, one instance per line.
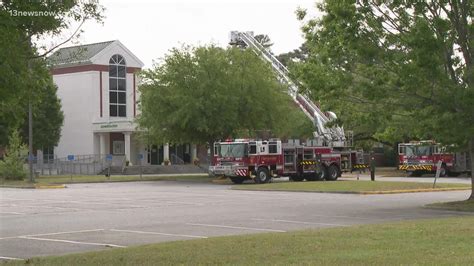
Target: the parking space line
pixel 238 227
pixel 68 232
pixel 72 242
pixel 52 234
pixel 298 222
pixel 104 203
pixel 342 216
pixel 9 258
pixel 184 203
pixel 156 233
pixel 18 213
pixel 52 207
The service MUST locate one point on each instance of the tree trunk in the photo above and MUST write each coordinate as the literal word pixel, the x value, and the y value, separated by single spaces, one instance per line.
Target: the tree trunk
pixel 471 156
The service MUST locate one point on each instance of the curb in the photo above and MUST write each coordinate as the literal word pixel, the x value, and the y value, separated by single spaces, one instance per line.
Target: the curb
pixel 50 186
pixel 413 190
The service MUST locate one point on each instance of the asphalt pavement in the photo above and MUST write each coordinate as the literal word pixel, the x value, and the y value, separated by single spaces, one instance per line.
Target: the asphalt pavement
pixel 87 217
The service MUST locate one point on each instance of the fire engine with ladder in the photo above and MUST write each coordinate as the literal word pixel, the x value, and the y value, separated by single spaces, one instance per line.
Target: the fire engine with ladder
pixel 324 157
pixel 422 157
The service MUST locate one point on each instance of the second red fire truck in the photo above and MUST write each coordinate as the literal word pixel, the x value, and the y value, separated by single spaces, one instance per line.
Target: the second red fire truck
pixel 421 157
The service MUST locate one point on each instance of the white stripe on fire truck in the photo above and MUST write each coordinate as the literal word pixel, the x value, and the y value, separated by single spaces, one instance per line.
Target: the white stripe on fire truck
pixel 327 155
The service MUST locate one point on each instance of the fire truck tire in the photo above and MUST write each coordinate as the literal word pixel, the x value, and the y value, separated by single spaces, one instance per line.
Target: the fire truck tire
pixel 322 175
pixel 332 173
pixel 237 179
pixel 263 176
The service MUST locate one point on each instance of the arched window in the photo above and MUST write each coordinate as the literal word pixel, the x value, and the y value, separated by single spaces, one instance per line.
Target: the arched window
pixel 117 86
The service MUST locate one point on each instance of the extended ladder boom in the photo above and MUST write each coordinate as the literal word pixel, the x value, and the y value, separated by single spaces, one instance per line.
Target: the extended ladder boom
pixel 335 136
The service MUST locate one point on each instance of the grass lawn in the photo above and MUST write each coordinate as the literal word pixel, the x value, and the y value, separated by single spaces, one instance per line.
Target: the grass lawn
pixel 422 242
pixel 465 205
pixel 45 180
pixel 345 186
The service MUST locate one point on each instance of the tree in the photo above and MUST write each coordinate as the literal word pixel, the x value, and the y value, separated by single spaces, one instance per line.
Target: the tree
pixel 25 75
pixel 12 165
pixel 396 69
pixel 48 117
pixel 203 94
pixel 295 56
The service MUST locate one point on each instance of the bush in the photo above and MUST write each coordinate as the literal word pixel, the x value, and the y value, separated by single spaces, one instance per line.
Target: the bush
pixel 12 165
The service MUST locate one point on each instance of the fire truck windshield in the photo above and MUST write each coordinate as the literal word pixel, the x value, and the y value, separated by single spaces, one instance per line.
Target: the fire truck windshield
pixel 234 150
pixel 418 150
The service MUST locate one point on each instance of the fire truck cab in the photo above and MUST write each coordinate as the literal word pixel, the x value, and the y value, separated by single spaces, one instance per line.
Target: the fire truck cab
pixel 421 157
pixel 241 158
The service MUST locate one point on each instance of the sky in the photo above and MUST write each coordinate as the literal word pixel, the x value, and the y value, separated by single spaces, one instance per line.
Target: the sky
pixel 149 29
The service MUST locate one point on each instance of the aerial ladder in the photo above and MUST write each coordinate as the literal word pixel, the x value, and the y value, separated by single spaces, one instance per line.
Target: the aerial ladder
pixel 328 136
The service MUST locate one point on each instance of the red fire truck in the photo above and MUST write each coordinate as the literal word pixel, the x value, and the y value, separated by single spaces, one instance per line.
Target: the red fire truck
pixel 421 157
pixel 261 160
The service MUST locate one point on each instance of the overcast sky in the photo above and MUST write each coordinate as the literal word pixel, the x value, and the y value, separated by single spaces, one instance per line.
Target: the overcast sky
pixel 150 28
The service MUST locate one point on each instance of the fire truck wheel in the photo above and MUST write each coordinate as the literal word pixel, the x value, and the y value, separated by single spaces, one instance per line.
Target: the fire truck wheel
pixel 322 175
pixel 263 176
pixel 237 179
pixel 333 173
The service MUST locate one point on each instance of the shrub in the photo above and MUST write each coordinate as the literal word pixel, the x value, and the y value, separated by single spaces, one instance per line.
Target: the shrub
pixel 12 165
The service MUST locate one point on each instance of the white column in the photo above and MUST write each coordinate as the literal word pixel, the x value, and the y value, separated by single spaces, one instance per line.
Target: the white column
pixel 166 152
pixel 102 144
pixel 193 152
pixel 39 156
pixel 127 145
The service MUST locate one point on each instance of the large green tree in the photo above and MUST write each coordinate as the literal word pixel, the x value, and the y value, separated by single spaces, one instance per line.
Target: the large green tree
pixel 395 69
pixel 207 93
pixel 24 73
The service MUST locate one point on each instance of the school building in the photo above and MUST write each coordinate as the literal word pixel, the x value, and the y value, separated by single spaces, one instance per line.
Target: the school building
pixel 98 88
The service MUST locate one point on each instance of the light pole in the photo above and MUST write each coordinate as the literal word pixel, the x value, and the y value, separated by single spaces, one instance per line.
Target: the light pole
pixel 30 127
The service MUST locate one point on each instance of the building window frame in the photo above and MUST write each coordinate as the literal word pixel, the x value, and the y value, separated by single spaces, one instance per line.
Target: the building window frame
pixel 117 86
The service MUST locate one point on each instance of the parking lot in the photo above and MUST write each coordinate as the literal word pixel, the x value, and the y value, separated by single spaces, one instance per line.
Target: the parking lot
pixel 86 217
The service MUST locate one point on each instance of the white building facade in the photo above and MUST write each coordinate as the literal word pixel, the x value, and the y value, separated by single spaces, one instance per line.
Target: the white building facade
pixel 97 86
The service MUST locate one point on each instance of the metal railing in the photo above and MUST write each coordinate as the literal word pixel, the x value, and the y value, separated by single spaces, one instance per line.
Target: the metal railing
pixel 90 164
pixel 175 159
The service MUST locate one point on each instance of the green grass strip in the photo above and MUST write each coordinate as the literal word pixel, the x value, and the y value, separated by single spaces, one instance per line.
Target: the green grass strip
pixel 465 206
pixel 346 186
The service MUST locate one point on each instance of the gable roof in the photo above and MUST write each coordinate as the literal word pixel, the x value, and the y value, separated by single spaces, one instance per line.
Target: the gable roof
pixel 77 55
pixel 117 43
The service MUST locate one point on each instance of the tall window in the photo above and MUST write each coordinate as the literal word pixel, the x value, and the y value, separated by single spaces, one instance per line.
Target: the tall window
pixel 117 86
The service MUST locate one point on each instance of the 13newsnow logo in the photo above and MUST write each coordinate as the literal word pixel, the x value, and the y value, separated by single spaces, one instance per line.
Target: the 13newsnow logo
pixel 31 13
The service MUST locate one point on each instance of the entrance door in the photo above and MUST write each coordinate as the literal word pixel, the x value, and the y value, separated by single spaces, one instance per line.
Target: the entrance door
pixel 156 154
pixel 153 155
